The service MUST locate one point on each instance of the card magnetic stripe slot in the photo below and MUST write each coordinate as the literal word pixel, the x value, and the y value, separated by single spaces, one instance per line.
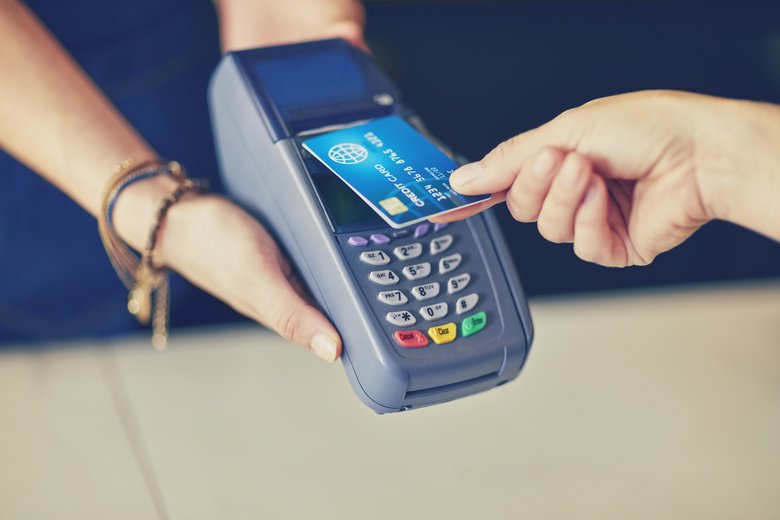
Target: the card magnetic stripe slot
pixel 443 389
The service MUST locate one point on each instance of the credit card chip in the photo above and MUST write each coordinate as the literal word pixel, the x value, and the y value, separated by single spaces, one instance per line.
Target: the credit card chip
pixel 393 206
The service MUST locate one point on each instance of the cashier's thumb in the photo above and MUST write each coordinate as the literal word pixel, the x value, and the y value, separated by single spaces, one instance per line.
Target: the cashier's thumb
pixel 298 321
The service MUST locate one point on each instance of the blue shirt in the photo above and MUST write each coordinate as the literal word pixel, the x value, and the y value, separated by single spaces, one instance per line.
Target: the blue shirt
pixel 153 59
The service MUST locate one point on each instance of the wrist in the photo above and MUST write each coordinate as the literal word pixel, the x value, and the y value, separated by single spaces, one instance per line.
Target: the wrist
pixel 248 24
pixel 137 206
pixel 183 228
pixel 738 163
pixel 156 212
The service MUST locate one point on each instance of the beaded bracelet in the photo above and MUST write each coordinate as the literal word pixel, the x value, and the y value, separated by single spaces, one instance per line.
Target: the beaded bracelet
pixel 147 283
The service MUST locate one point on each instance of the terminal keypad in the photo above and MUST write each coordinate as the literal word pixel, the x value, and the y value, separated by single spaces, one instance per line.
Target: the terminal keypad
pixel 439 272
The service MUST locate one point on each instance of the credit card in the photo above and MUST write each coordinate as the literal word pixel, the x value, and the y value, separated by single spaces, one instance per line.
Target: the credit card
pixel 395 169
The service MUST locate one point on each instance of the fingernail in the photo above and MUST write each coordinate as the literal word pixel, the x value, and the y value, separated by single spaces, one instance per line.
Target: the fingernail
pixel 325 347
pixel 464 175
pixel 571 173
pixel 543 165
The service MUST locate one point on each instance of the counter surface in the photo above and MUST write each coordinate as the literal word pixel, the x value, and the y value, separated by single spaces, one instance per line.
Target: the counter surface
pixel 660 404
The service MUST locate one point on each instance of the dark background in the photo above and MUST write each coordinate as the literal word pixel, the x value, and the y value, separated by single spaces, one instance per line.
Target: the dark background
pixel 481 72
pixel 477 72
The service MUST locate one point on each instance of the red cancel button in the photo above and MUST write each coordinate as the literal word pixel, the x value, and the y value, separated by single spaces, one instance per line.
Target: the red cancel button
pixel 410 338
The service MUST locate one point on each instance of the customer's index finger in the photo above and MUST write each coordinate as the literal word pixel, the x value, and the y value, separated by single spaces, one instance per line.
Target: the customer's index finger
pixel 496 172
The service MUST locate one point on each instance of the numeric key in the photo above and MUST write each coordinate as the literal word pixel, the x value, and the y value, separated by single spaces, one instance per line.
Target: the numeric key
pixel 434 311
pixel 427 291
pixel 386 277
pixel 392 297
pixel 458 283
pixel 417 271
pixel 408 252
pixel 450 263
pixel 374 258
pixel 441 244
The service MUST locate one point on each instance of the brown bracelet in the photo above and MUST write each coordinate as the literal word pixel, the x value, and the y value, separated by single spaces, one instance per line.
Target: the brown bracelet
pixel 147 283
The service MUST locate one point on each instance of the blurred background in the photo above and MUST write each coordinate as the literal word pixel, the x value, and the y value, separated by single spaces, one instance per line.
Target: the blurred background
pixel 641 404
pixel 477 72
pixel 480 72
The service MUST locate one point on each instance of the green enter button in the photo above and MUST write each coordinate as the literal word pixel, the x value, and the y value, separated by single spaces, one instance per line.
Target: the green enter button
pixel 473 324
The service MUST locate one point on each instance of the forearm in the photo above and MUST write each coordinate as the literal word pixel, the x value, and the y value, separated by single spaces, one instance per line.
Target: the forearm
pixel 740 164
pixel 57 122
pixel 258 23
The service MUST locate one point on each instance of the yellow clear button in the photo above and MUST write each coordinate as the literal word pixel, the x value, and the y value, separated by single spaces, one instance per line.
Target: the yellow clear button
pixel 443 333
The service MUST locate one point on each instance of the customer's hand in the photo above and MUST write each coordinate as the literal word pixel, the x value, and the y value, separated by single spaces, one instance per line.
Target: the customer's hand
pixel 628 177
pixel 260 23
pixel 219 247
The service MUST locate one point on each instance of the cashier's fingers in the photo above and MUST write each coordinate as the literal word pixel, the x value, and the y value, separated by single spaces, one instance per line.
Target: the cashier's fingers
pixel 287 311
pixel 223 250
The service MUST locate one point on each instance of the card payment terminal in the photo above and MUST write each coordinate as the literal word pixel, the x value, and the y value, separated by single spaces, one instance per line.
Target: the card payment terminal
pixel 428 313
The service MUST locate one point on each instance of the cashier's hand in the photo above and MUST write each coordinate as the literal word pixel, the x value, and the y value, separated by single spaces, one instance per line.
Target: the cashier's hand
pixel 260 23
pixel 628 177
pixel 222 249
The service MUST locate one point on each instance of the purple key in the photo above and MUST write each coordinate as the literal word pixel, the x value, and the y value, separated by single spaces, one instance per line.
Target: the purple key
pixel 421 230
pixel 379 238
pixel 357 241
pixel 440 226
